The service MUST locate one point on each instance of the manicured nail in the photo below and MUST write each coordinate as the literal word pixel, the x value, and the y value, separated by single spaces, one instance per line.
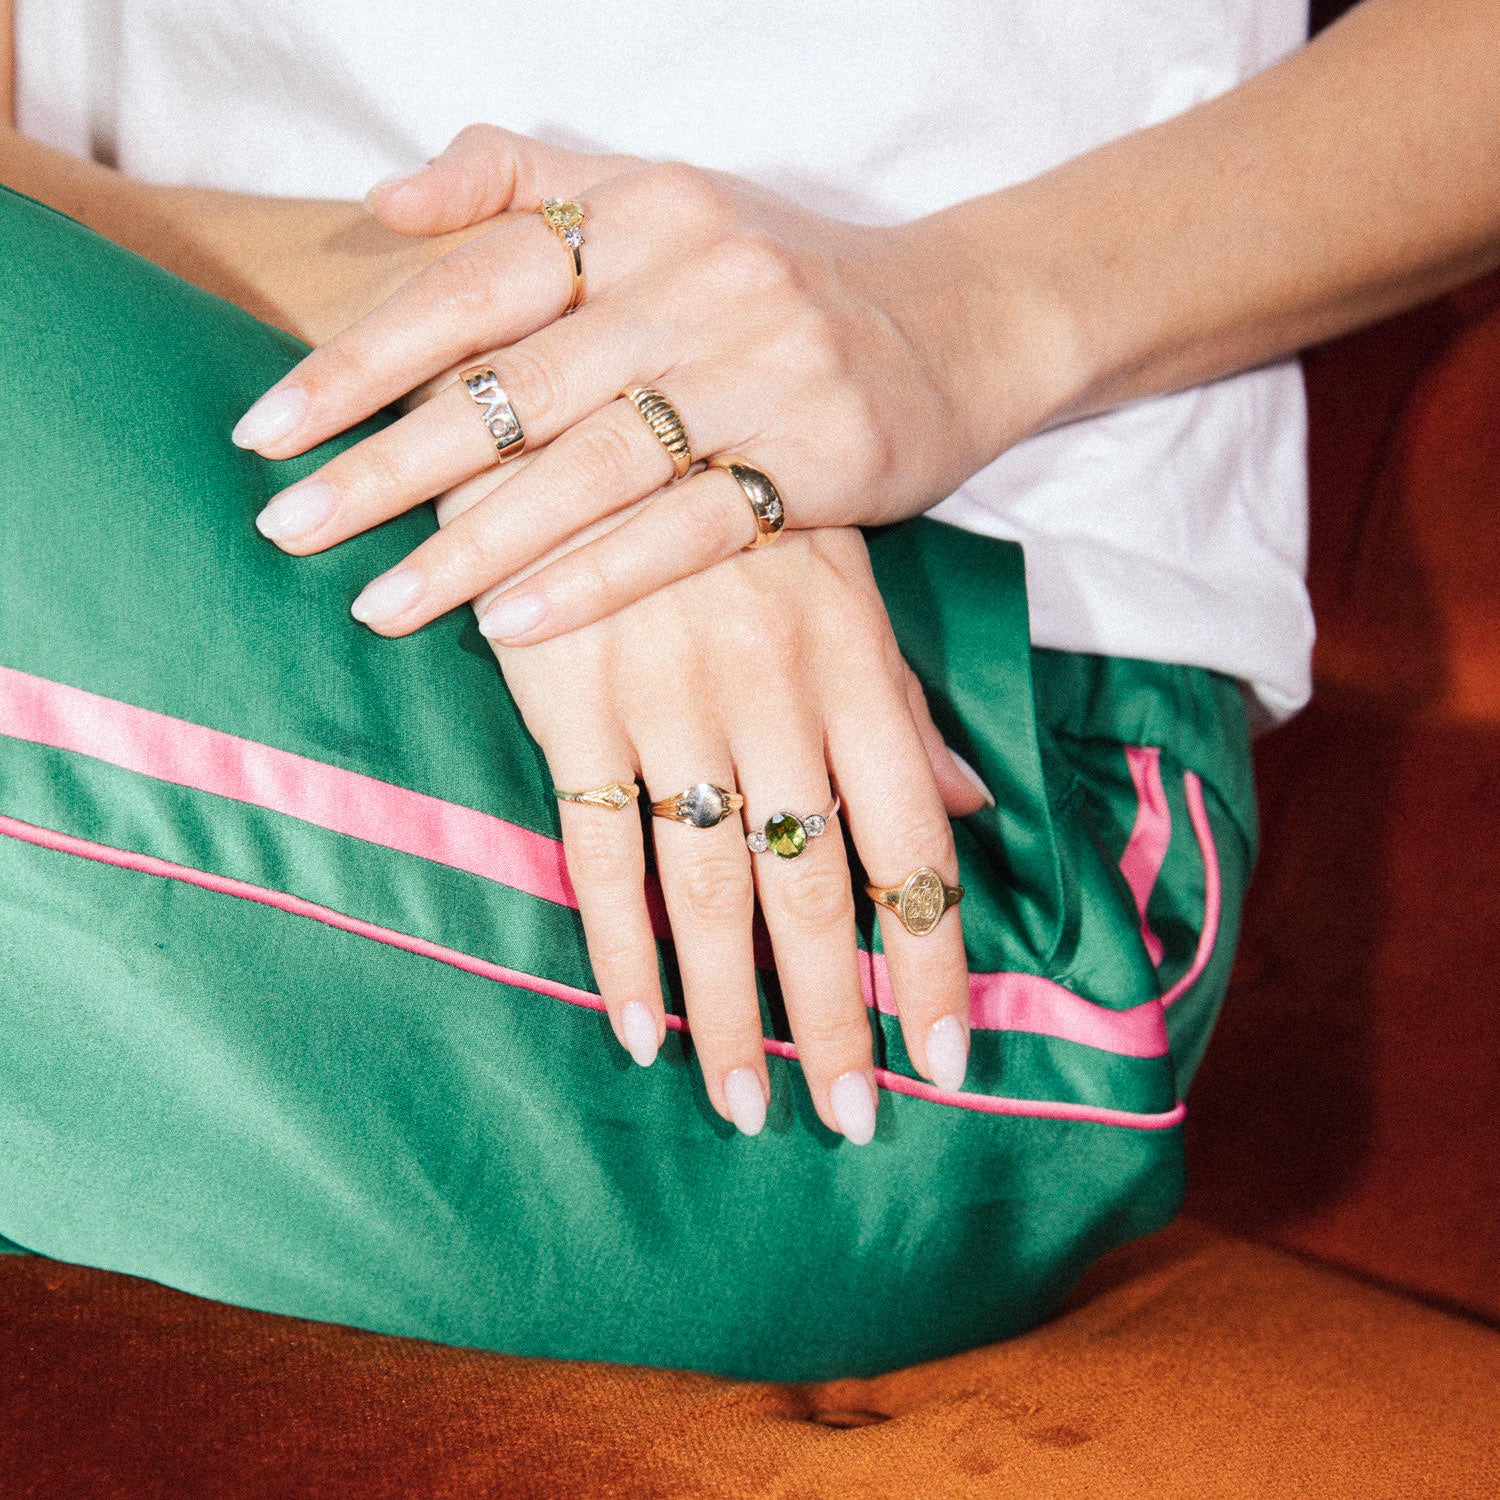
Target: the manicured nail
pixel 272 418
pixel 512 614
pixel 388 596
pixel 394 180
pixel 973 775
pixel 947 1053
pixel 639 1026
pixel 746 1099
pixel 852 1096
pixel 297 511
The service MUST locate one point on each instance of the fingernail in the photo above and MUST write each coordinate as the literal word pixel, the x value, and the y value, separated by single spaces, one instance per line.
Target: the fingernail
pixel 852 1096
pixel 513 614
pixel 394 180
pixel 973 775
pixel 388 596
pixel 746 1099
pixel 639 1026
pixel 272 418
pixel 947 1053
pixel 297 511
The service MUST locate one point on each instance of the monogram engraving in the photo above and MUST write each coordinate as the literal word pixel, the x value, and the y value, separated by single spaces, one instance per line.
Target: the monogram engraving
pixel 922 902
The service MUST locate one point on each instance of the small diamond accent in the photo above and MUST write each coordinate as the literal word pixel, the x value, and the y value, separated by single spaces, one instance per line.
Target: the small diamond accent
pixel 814 825
pixel 573 238
pixel 757 843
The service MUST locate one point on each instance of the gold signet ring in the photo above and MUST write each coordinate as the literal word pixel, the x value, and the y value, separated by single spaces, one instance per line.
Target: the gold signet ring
pixel 702 806
pixel 758 489
pixel 616 796
pixel 665 421
pixel 565 219
pixel 496 412
pixel 921 900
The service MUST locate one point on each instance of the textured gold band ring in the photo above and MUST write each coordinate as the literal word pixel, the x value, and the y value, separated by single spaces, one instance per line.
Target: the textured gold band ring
pixel 496 412
pixel 757 487
pixel 615 797
pixel 702 806
pixel 565 219
pixel 921 901
pixel 665 421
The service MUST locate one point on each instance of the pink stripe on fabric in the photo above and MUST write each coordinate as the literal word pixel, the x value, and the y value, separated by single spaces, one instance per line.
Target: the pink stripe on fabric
pixel 148 864
pixel 209 760
pixel 1146 850
pixel 1027 1002
pixel 1213 895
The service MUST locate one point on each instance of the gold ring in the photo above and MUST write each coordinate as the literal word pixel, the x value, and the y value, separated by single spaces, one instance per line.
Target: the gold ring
pixel 757 488
pixel 666 422
pixel 614 797
pixel 921 900
pixel 702 806
pixel 565 219
pixel 787 834
pixel 499 416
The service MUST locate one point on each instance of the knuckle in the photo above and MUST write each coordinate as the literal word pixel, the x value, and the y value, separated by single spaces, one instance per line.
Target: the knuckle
pixel 709 527
pixel 836 1031
pixel 686 191
pixel 462 284
pixel 754 264
pixel 860 437
pixel 603 456
pixel 539 386
pixel 713 891
pixel 599 858
pixel 923 832
pixel 382 469
pixel 467 557
pixel 767 636
pixel 812 893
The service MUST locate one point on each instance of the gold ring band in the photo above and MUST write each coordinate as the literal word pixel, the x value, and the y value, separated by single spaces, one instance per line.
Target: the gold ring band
pixel 703 805
pixel 787 834
pixel 565 219
pixel 921 901
pixel 665 421
pixel 497 414
pixel 758 488
pixel 614 797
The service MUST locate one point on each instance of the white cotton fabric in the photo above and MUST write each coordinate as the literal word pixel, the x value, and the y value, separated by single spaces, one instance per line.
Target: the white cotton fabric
pixel 1174 529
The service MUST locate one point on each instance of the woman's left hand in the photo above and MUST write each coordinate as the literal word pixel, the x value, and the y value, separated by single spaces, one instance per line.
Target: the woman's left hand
pixel 834 357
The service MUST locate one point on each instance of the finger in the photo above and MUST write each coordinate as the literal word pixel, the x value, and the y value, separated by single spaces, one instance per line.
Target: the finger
pixel 483 171
pixel 706 881
pixel 959 785
pixel 899 824
pixel 553 380
pixel 687 528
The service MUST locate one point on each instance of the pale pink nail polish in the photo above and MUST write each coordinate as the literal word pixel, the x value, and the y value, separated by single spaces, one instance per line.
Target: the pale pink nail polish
pixel 852 1097
pixel 396 179
pixel 388 596
pixel 639 1026
pixel 297 511
pixel 973 776
pixel 276 415
pixel 947 1053
pixel 512 614
pixel 746 1098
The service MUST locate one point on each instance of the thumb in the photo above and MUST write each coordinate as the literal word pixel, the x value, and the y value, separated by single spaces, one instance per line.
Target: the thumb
pixel 958 782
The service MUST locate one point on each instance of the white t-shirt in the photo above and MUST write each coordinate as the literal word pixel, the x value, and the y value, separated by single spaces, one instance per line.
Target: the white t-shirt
pixel 1173 529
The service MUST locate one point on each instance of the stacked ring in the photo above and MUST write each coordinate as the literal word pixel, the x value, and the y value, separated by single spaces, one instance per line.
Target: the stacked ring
pixel 758 489
pixel 565 219
pixel 665 421
pixel 921 901
pixel 701 806
pixel 498 415
pixel 787 834
pixel 615 797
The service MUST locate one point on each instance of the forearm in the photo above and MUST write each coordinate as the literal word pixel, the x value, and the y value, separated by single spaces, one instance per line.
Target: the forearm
pixel 1356 178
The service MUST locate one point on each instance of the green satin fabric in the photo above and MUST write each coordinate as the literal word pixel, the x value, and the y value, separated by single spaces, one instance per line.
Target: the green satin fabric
pixel 260 1108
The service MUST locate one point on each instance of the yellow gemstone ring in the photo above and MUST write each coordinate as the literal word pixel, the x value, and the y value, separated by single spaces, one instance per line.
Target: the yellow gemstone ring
pixel 565 219
pixel 787 834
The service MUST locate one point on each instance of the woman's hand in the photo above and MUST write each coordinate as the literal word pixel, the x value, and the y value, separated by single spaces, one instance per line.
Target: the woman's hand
pixel 833 356
pixel 777 676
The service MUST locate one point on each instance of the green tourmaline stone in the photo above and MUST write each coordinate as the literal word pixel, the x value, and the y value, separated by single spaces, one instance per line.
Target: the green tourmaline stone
pixel 786 836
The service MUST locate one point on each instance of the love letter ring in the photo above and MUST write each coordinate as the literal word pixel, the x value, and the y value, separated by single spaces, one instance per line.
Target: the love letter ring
pixel 616 796
pixel 702 806
pixel 565 219
pixel 921 900
pixel 787 834
pixel 764 498
pixel 498 415
pixel 665 421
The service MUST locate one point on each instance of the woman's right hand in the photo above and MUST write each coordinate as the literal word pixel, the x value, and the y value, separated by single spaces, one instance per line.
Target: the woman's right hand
pixel 774 674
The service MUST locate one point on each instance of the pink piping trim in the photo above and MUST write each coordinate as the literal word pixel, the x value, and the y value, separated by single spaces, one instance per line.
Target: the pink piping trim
pixel 210 760
pixel 1208 934
pixel 148 864
pixel 1146 850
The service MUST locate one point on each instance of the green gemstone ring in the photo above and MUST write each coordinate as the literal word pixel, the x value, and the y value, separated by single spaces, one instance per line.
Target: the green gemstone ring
pixel 787 834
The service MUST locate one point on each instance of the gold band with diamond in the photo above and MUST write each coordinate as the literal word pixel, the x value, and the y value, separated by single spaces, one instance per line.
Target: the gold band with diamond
pixel 787 834
pixel 565 219
pixel 921 901
pixel 703 805
pixel 758 488
pixel 615 797
pixel 665 422
pixel 497 414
